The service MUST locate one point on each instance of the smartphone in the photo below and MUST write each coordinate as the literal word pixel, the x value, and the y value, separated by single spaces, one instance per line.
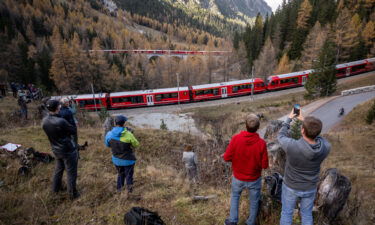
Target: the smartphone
pixel 297 109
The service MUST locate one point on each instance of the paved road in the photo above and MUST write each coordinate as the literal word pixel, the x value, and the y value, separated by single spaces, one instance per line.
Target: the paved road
pixel 329 112
pixel 176 108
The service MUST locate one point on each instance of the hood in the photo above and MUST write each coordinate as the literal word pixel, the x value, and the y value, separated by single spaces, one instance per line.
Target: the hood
pixel 250 138
pixel 116 131
pixel 315 150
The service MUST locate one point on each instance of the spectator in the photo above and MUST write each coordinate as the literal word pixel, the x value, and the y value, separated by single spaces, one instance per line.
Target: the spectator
pixel 303 160
pixel 3 89
pixel 23 107
pixel 248 154
pixel 60 133
pixel 191 163
pixel 66 113
pixel 122 143
pixel 13 86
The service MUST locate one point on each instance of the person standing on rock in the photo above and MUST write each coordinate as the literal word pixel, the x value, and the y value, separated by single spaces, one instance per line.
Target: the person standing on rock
pixel 302 167
pixel 60 132
pixel 122 143
pixel 248 154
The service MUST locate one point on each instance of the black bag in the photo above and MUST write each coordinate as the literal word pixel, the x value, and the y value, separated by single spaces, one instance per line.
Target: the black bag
pixel 142 216
pixel 274 184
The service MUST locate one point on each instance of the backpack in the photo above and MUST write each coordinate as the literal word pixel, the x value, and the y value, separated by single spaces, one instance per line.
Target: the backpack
pixel 274 184
pixel 142 216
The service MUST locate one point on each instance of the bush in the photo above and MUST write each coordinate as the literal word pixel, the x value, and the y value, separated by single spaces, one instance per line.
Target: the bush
pixel 370 114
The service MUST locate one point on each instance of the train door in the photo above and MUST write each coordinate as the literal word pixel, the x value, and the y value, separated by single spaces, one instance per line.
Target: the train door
pixel 304 80
pixel 224 92
pixel 347 71
pixel 150 99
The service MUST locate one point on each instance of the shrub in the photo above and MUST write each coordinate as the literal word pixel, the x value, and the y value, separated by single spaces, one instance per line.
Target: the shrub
pixel 370 114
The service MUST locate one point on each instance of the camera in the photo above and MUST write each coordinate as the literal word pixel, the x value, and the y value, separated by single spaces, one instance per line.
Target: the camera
pixel 296 109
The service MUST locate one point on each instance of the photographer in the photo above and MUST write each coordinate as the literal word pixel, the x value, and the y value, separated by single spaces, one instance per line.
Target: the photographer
pixel 302 167
pixel 60 133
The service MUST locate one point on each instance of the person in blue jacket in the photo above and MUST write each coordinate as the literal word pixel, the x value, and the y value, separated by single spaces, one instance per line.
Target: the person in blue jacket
pixel 122 143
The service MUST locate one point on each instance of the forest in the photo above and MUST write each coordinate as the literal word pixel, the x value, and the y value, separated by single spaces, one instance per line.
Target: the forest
pixel 46 42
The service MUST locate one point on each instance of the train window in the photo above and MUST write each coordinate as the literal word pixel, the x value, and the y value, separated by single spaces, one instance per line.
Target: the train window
pixel 137 99
pixel 235 89
pixel 166 96
pixel 174 95
pixel 216 91
pixel 273 83
pixel 158 98
pixel 200 92
pixel 295 80
pixel 82 103
pixel 207 91
pixel 185 93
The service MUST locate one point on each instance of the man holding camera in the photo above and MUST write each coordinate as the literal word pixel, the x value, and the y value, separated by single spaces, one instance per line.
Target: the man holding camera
pixel 302 168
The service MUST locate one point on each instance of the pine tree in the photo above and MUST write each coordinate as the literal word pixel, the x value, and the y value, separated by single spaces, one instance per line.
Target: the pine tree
pixel 346 36
pixel 323 81
pixel 304 14
pixel 284 65
pixel 266 62
pixel 295 129
pixel 314 42
pixel 368 33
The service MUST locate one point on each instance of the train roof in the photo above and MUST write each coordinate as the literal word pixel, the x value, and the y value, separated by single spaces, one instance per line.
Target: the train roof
pixel 371 60
pixel 59 97
pixel 152 91
pixel 88 96
pixel 214 85
pixel 286 75
pixel 358 62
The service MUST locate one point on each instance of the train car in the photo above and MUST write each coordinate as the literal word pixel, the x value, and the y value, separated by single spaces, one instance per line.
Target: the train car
pixel 148 97
pixel 370 66
pixel 288 80
pixel 351 68
pixel 92 101
pixel 226 89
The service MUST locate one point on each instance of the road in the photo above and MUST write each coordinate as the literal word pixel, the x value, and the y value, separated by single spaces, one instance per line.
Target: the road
pixel 328 113
pixel 176 108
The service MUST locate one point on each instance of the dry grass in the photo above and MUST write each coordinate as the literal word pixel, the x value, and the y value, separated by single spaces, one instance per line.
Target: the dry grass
pixel 353 154
pixel 356 82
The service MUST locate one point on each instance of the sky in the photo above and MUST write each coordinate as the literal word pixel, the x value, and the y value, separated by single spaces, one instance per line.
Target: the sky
pixel 274 4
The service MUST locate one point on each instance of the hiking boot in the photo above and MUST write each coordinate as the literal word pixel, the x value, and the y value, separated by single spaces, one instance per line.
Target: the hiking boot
pixel 229 223
pixel 75 195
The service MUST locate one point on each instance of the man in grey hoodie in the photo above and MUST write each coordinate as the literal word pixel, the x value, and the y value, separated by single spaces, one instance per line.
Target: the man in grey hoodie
pixel 303 160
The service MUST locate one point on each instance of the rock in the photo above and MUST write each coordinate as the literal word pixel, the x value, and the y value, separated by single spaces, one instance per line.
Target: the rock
pixel 333 192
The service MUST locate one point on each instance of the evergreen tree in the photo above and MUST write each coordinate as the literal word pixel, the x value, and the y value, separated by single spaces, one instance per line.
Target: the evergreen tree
pixel 295 129
pixel 314 42
pixel 266 62
pixel 323 81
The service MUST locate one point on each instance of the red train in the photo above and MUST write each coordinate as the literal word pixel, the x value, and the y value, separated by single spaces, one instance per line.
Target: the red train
pixel 119 100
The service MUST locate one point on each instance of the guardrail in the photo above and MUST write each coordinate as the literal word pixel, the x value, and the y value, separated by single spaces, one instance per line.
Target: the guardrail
pixel 358 90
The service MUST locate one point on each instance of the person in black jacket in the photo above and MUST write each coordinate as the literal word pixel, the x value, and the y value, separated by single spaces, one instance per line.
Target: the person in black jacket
pixel 66 113
pixel 60 132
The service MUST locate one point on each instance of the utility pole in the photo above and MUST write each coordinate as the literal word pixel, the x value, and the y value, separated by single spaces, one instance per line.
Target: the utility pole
pixel 93 95
pixel 178 88
pixel 252 84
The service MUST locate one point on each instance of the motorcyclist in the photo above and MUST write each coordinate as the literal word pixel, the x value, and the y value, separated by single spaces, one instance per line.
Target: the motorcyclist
pixel 342 111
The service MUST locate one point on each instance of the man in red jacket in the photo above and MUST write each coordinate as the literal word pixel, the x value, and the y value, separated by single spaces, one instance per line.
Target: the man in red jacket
pixel 248 154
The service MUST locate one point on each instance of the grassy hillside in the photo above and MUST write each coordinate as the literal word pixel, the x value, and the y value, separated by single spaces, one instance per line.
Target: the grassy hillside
pixel 353 154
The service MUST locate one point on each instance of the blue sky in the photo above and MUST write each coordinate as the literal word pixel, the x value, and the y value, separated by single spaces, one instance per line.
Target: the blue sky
pixel 274 4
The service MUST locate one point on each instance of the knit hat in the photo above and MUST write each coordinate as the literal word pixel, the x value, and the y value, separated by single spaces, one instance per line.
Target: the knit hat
pixel 52 105
pixel 120 120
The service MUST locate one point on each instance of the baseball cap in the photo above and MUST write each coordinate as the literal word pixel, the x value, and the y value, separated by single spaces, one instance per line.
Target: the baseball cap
pixel 52 105
pixel 120 120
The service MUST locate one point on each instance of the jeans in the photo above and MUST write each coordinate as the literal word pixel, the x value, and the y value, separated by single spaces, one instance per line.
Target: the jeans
pixel 254 197
pixel 125 173
pixel 289 198
pixel 68 162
